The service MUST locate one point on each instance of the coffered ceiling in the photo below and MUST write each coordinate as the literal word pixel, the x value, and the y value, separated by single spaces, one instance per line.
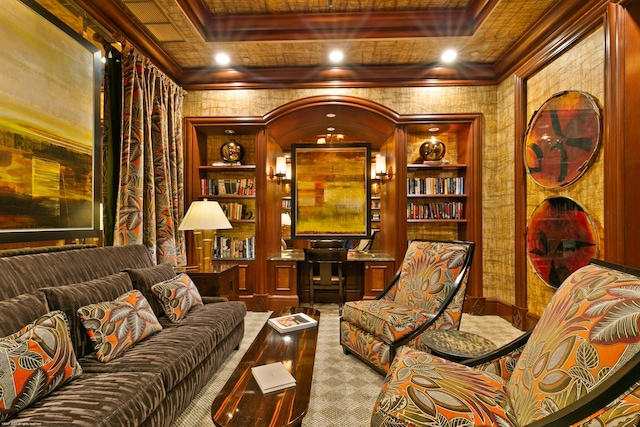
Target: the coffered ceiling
pixel 275 43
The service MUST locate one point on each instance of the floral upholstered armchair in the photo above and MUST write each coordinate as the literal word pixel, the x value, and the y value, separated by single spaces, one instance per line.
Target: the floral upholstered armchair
pixel 579 367
pixel 427 292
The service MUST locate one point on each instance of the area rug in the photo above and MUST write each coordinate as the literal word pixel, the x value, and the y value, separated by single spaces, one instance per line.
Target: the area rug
pixel 344 389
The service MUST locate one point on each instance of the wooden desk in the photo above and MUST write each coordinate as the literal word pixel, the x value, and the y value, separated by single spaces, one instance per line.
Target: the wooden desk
pixel 222 281
pixel 367 274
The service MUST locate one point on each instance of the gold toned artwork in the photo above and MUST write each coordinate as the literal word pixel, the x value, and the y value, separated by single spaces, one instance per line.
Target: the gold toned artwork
pixel 331 191
pixel 47 125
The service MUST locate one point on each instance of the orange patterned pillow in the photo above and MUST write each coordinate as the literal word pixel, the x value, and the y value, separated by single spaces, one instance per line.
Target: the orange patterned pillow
pixel 115 326
pixel 177 296
pixel 34 362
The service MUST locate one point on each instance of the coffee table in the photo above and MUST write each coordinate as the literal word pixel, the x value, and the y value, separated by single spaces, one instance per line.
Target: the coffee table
pixel 241 403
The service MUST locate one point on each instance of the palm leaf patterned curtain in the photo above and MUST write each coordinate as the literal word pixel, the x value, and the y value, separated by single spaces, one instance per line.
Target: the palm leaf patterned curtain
pixel 150 199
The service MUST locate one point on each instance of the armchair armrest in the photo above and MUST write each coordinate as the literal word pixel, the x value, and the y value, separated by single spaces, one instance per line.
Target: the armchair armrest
pixel 502 360
pixel 608 395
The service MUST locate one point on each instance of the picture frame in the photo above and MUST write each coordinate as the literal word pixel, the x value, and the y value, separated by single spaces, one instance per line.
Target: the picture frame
pixel 331 191
pixel 49 127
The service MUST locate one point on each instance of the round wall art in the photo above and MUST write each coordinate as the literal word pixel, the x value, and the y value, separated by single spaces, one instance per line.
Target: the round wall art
pixel 562 139
pixel 561 238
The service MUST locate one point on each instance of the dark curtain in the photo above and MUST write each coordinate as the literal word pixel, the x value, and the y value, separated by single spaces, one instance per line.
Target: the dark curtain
pixel 111 140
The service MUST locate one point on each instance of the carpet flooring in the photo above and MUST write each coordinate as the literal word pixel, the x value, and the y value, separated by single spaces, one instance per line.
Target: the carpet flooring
pixel 344 389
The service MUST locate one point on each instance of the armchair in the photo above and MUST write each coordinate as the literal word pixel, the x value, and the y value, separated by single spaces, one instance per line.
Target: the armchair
pixel 580 366
pixel 427 292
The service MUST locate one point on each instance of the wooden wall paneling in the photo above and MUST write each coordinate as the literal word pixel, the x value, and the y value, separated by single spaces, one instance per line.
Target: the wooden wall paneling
pixel 519 309
pixel 623 183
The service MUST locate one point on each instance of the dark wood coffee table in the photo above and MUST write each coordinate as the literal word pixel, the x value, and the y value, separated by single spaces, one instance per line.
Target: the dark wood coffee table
pixel 241 403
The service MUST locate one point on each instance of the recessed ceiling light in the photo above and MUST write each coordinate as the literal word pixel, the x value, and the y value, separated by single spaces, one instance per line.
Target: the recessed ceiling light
pixel 229 131
pixel 434 129
pixel 449 55
pixel 331 115
pixel 336 56
pixel 222 58
pixel 331 129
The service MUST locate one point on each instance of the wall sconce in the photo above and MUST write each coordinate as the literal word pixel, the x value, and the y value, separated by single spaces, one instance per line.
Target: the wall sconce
pixel 281 170
pixel 381 169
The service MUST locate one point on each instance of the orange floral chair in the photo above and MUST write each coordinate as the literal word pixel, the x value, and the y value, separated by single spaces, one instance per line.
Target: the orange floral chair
pixel 427 292
pixel 579 367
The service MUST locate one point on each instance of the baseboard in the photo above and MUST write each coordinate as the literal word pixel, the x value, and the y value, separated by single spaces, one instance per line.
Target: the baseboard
pixel 519 317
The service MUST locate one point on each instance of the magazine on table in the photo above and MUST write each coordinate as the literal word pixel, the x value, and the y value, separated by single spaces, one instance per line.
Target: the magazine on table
pixel 292 322
pixel 272 377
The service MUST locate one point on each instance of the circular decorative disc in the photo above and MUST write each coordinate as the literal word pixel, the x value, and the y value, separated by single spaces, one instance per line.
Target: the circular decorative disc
pixel 561 238
pixel 432 150
pixel 232 151
pixel 562 139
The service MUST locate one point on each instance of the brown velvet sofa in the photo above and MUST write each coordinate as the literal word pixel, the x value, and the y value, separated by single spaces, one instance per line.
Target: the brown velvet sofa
pixel 151 383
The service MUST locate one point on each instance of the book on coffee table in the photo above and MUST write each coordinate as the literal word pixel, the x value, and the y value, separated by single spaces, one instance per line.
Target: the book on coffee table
pixel 272 377
pixel 292 322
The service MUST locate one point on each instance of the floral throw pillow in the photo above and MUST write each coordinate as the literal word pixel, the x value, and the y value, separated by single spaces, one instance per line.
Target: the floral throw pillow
pixel 115 326
pixel 35 361
pixel 177 296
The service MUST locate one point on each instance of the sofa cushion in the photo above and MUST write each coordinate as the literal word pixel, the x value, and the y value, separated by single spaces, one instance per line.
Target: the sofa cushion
pixel 99 400
pixel 115 326
pixel 222 318
pixel 144 278
pixel 34 362
pixel 69 298
pixel 18 311
pixel 172 353
pixel 177 296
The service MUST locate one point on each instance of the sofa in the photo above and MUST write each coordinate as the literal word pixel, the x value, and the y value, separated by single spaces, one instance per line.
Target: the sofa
pixel 148 384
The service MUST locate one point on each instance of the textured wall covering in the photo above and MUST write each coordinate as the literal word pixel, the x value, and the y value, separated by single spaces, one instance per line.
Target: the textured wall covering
pixel 498 225
pixel 497 150
pixel 580 68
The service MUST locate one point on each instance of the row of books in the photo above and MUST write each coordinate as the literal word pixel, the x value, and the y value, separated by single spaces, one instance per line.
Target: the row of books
pixel 451 210
pixel 236 211
pixel 237 186
pixel 233 247
pixel 429 186
pixel 286 203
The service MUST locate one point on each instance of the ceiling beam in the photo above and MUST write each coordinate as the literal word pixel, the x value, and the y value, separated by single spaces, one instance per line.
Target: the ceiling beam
pixel 363 76
pixel 336 25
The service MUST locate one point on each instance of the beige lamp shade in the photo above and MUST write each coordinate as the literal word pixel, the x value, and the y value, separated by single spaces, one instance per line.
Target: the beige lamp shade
pixel 204 215
pixel 285 219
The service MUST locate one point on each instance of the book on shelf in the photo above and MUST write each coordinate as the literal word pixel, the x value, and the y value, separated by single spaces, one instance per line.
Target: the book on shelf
pixel 292 322
pixel 228 186
pixel 272 377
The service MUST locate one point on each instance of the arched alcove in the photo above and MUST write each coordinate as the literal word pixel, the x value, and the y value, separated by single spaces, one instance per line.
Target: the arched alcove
pixel 351 116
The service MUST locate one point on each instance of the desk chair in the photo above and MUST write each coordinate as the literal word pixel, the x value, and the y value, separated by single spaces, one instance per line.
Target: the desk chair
pixel 321 263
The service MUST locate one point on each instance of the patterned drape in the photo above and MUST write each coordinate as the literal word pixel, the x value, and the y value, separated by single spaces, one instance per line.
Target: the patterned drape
pixel 150 201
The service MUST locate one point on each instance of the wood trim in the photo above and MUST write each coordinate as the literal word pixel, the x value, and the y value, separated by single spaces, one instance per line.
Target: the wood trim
pixel 520 189
pixel 373 76
pixel 614 134
pixel 333 25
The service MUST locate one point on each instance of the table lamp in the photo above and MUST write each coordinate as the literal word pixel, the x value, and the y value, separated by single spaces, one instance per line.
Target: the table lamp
pixel 204 215
pixel 285 220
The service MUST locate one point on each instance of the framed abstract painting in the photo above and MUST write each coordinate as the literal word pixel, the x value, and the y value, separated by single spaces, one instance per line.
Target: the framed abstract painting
pixel 49 127
pixel 330 191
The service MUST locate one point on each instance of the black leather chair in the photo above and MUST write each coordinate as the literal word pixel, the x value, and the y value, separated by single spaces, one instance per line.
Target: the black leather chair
pixel 325 271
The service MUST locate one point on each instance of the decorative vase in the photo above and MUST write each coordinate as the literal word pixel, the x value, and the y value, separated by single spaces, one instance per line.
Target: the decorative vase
pixel 232 152
pixel 432 150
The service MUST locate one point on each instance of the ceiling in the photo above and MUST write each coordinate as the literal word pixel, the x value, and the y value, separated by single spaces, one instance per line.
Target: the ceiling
pixel 285 43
